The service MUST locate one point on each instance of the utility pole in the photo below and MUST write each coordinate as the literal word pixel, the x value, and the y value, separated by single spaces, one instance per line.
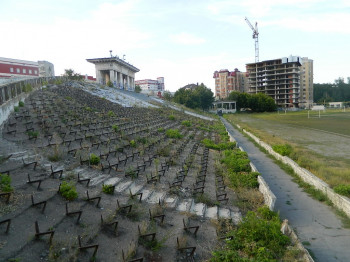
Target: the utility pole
pixel 256 37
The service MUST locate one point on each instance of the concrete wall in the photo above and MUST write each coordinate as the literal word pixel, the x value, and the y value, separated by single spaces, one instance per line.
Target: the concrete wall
pixel 13 92
pixel 341 202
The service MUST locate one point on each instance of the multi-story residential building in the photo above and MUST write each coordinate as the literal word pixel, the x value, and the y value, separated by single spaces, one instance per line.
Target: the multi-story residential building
pixel 306 83
pixel 149 86
pixel 226 82
pixel 282 79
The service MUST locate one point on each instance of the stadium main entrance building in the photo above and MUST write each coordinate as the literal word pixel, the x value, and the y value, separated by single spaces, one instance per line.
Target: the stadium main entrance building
pixel 115 70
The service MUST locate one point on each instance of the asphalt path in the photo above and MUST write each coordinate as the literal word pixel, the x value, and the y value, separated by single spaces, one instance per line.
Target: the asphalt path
pixel 315 223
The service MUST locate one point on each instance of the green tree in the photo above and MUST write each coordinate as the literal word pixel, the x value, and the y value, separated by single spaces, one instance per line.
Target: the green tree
pixel 256 102
pixel 198 96
pixel 137 89
pixel 339 91
pixel 168 96
pixel 71 75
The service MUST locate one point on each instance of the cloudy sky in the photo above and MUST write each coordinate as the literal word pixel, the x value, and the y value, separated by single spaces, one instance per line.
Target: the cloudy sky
pixel 184 41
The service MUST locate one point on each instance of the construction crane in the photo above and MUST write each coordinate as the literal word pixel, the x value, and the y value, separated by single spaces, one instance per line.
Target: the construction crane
pixel 256 37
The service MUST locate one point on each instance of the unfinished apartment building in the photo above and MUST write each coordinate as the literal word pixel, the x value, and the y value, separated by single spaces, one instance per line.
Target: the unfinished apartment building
pixel 287 80
pixel 226 82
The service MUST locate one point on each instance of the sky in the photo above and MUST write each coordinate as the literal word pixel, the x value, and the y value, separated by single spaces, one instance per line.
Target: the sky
pixel 184 41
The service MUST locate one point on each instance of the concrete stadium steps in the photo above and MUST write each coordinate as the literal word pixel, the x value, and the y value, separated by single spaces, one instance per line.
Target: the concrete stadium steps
pixel 124 186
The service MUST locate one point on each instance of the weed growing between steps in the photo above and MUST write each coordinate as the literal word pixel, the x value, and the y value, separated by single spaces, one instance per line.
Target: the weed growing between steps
pixel 108 189
pixel 221 146
pixel 257 238
pixel 68 190
pixel 5 183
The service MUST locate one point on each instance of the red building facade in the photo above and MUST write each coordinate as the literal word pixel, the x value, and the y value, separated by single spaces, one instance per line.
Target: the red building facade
pixel 18 68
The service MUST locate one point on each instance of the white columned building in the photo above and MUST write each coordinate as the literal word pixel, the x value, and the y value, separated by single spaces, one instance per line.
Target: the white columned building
pixel 115 70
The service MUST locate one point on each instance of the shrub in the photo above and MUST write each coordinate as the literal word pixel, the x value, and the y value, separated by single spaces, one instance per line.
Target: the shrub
pixel 58 82
pixel 131 172
pixel 87 108
pixel 342 190
pixel 236 161
pixel 108 189
pixel 163 151
pixel 115 128
pixel 172 117
pixel 111 114
pixel 68 190
pixel 173 133
pixel 21 104
pixel 142 140
pixel 33 134
pixel 206 199
pixel 137 89
pixel 110 84
pixel 258 237
pixel 186 123
pixel 133 143
pixel 27 88
pixel 55 157
pixel 94 160
pixel 221 146
pixel 16 108
pixel 284 150
pixel 243 179
pixel 160 130
pixel 5 183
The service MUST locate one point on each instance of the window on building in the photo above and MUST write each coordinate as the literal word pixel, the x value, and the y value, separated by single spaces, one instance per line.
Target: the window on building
pixel 36 72
pixel 18 70
pixel 30 71
pixel 11 69
pixel 24 71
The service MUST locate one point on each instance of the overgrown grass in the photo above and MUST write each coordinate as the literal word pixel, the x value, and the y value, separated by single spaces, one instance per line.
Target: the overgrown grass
pixel 186 123
pixel 257 238
pixel 332 170
pixel 108 189
pixel 220 146
pixel 33 134
pixel 5 183
pixel 173 133
pixel 68 190
pixel 115 128
pixel 284 150
pixel 236 160
pixel 342 190
pixel 312 191
pixel 205 199
pixel 94 160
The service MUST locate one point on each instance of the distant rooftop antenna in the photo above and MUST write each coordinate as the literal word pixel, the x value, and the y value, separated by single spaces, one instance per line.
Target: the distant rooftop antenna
pixel 124 57
pixel 110 51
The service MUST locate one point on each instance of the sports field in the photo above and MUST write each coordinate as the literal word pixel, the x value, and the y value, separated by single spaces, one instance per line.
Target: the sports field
pixel 321 140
